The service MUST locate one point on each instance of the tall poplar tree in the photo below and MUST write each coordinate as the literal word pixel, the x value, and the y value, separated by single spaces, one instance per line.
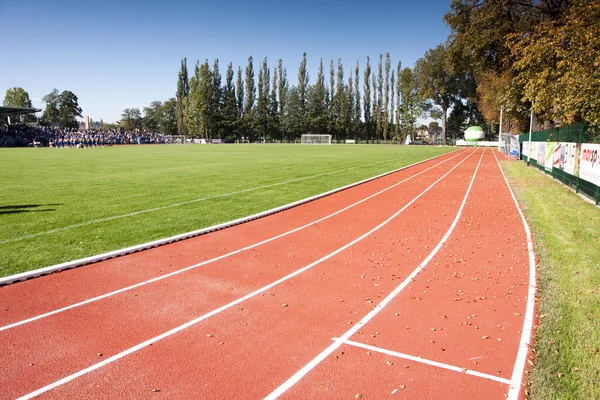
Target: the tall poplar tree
pixel 249 99
pixel 196 103
pixel 216 100
pixel 239 92
pixel 380 97
pixel 398 93
pixel 375 111
pixel 183 89
pixel 317 104
pixel 229 111
pixel 340 101
pixel 393 132
pixel 356 100
pixel 303 84
pixel 283 86
pixel 274 108
pixel 367 99
pixel 409 105
pixel 386 104
pixel 261 116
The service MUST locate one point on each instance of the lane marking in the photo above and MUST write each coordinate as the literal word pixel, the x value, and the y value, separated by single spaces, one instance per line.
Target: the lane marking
pixel 233 303
pixel 183 203
pixel 518 371
pixel 186 235
pixel 161 277
pixel 346 336
pixel 425 361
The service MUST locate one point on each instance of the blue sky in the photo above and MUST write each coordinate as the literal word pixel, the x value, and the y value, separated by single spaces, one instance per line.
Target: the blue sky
pixel 115 55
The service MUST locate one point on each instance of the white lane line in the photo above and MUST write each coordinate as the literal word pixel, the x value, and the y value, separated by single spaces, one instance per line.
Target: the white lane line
pixel 517 375
pixel 425 361
pixel 346 336
pixel 183 203
pixel 233 303
pixel 161 277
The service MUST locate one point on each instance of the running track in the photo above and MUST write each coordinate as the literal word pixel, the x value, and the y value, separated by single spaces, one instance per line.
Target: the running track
pixel 414 285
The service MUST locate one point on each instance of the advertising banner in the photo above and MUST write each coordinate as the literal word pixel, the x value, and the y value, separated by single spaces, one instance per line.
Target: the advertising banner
pixel 549 156
pixel 525 150
pixel 556 158
pixel 590 163
pixel 568 157
pixel 541 153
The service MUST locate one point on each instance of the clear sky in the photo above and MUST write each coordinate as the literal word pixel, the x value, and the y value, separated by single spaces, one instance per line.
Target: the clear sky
pixel 120 54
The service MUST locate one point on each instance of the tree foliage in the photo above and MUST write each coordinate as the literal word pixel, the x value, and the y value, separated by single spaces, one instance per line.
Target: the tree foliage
pixel 183 89
pixel 50 113
pixel 68 109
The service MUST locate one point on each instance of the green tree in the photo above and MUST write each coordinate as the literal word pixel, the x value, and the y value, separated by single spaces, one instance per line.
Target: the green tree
pixel 317 104
pixel 283 86
pixel 131 119
pixel 303 84
pixel 51 110
pixel 292 118
pixel 250 96
pixel 557 64
pixel 274 109
pixel 379 114
pixel 229 111
pixel 168 117
pixel 183 89
pixel 216 103
pixel 239 93
pixel 409 105
pixel 69 110
pixel 367 99
pixel 18 97
pixel 392 89
pixel 332 117
pixel 197 110
pixel 357 111
pixel 437 83
pixel 261 114
pixel 152 116
pixel 386 104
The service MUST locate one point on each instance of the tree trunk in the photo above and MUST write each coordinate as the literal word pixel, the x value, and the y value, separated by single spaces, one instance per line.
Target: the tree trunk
pixel 444 112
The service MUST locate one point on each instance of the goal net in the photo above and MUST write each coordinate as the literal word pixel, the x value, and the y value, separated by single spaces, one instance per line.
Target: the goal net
pixel 175 139
pixel 315 139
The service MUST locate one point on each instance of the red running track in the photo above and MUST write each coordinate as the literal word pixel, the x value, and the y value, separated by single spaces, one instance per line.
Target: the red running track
pixel 298 312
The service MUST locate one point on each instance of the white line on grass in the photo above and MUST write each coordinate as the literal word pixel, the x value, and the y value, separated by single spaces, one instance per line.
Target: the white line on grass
pixel 517 375
pixel 183 203
pixel 231 304
pixel 424 361
pixel 346 336
pixel 161 277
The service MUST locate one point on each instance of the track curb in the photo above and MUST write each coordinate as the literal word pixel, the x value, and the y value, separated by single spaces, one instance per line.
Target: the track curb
pixel 172 239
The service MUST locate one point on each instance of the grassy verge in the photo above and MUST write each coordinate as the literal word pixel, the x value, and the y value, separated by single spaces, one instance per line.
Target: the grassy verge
pixel 566 231
pixel 58 205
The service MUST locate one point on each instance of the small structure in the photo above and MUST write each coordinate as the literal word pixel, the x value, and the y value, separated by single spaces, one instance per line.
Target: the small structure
pixel 474 134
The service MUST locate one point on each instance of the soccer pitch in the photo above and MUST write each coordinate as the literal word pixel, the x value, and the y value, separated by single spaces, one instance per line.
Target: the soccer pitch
pixel 58 205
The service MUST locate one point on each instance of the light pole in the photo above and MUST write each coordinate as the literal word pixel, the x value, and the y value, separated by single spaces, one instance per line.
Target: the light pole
pixel 530 130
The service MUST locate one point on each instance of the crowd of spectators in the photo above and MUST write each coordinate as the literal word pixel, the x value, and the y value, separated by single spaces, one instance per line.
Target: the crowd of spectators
pixel 36 136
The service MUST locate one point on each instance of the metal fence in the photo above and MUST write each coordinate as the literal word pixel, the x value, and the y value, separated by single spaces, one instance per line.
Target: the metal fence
pixel 577 133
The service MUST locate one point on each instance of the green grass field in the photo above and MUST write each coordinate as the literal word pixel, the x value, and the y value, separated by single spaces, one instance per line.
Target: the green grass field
pixel 566 231
pixel 58 205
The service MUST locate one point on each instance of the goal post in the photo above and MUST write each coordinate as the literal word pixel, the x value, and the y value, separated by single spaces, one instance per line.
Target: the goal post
pixel 315 139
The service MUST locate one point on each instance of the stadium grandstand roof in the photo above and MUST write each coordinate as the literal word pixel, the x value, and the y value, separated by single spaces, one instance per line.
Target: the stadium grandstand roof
pixel 8 111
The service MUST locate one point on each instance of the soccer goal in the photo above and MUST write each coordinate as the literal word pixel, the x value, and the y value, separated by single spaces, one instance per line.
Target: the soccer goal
pixel 175 139
pixel 315 139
